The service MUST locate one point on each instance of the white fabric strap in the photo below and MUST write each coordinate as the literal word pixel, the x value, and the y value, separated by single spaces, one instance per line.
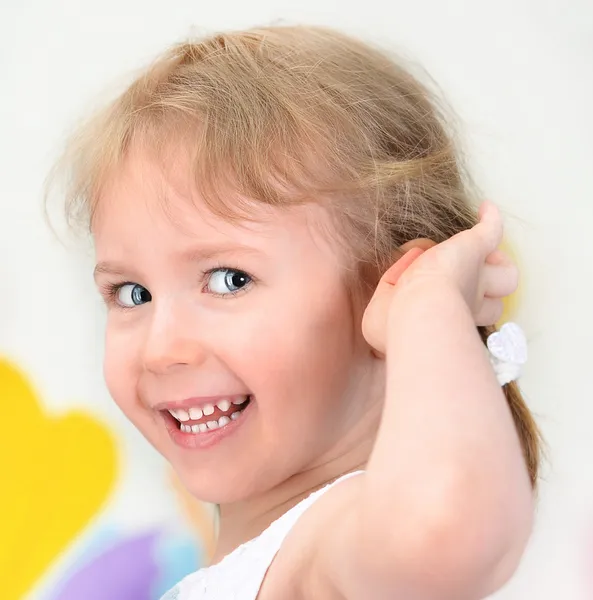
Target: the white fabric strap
pixel 240 574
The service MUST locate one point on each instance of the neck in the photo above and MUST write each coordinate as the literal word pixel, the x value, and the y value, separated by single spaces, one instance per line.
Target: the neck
pixel 244 520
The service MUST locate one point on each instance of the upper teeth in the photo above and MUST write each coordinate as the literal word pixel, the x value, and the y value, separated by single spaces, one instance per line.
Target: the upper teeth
pixel 180 414
pixel 224 405
pixel 195 413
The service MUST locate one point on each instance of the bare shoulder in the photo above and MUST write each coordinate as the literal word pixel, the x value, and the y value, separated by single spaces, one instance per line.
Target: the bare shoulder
pixel 332 554
pixel 298 570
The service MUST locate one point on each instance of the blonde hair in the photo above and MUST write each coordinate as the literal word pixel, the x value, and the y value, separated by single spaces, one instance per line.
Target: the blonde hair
pixel 286 115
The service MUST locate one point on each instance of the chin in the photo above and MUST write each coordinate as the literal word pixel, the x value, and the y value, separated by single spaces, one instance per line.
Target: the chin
pixel 219 487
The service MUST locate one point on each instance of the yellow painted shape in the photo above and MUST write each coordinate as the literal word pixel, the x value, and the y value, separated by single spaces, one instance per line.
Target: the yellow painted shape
pixel 56 473
pixel 511 303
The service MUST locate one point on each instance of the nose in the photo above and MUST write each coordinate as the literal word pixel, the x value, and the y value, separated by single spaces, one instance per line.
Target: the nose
pixel 171 340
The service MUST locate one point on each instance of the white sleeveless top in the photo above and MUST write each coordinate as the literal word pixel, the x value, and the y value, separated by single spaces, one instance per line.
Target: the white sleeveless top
pixel 240 574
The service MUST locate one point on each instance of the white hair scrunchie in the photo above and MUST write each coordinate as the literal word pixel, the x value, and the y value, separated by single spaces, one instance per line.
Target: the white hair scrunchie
pixel 507 349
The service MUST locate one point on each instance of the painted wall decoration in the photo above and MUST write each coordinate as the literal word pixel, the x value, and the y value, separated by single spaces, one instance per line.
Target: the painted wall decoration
pixel 511 303
pixel 134 567
pixel 52 486
pixel 58 471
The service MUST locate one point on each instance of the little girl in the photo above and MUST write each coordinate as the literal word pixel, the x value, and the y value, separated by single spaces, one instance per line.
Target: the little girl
pixel 299 294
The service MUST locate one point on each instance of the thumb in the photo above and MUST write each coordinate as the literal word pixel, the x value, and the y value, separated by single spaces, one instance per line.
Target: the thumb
pixel 374 323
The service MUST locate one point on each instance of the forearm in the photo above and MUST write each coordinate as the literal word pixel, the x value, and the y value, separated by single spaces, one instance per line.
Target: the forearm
pixel 447 462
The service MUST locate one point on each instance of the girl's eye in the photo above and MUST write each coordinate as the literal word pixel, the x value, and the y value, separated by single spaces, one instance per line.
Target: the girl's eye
pixel 129 295
pixel 222 282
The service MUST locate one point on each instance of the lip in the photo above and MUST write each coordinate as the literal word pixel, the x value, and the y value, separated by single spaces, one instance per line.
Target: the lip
pixel 208 439
pixel 198 401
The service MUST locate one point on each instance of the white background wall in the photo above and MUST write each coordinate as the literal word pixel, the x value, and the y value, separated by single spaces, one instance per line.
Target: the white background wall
pixel 520 75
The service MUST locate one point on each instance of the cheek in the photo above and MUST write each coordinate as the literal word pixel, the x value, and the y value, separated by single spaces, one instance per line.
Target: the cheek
pixel 119 369
pixel 299 358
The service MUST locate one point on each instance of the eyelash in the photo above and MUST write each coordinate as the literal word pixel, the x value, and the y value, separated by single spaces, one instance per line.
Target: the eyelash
pixel 110 290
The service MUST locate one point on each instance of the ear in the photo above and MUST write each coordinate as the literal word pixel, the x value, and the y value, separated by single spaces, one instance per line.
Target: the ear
pixel 422 243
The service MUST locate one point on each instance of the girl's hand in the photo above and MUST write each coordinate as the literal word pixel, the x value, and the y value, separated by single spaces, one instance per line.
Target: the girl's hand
pixel 469 262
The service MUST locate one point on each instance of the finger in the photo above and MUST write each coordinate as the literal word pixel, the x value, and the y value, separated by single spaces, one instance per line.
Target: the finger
pixel 500 281
pixel 374 323
pixel 397 269
pixel 490 228
pixel 498 257
pixel 490 312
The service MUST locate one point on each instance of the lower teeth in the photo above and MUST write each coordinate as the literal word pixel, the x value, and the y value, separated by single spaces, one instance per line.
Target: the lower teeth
pixel 210 425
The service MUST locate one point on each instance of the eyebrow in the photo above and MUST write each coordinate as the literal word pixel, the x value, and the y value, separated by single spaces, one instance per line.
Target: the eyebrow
pixel 106 267
pixel 206 252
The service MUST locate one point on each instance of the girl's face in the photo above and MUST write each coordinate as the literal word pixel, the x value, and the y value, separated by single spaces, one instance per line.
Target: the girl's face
pixel 246 332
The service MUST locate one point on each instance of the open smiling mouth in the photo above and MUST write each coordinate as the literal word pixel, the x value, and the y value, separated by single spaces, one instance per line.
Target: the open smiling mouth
pixel 196 420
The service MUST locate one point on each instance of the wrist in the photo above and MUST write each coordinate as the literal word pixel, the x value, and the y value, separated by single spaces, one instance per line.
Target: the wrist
pixel 428 309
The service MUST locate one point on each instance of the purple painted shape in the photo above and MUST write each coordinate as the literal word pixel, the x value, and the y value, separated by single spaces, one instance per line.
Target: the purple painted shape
pixel 126 571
